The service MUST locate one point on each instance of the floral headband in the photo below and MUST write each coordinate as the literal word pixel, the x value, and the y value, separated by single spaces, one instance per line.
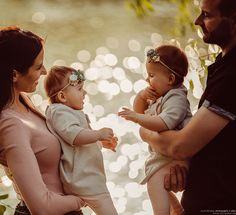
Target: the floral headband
pixel 76 77
pixel 154 57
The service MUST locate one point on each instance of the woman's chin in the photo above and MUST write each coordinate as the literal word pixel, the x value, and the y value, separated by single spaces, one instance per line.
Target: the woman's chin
pixel 32 90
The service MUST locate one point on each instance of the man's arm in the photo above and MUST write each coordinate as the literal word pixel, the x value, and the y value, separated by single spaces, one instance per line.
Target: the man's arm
pixel 185 143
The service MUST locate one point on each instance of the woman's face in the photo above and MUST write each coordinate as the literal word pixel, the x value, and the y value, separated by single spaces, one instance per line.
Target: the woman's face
pixel 29 81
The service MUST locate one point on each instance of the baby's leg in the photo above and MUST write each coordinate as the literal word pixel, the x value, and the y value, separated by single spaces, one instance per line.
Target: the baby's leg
pixel 101 204
pixel 159 197
pixel 163 202
pixel 175 206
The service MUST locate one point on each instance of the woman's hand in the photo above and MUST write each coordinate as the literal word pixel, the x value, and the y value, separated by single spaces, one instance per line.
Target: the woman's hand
pixel 176 180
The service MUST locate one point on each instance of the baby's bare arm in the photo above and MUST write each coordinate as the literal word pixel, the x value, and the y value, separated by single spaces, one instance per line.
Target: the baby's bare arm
pixel 141 100
pixel 87 136
pixel 151 122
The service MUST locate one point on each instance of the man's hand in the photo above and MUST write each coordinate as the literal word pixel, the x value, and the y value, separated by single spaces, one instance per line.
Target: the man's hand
pixel 176 180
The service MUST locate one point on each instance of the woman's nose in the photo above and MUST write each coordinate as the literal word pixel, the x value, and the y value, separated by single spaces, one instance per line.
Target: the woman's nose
pixel 43 71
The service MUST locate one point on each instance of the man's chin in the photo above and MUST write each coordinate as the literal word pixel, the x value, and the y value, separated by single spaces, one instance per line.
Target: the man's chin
pixel 207 40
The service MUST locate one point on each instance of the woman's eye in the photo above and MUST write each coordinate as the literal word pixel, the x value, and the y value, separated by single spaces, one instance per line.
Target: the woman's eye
pixel 39 67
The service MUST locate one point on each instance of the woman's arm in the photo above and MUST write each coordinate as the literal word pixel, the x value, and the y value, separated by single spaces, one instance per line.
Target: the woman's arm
pixel 185 143
pixel 24 167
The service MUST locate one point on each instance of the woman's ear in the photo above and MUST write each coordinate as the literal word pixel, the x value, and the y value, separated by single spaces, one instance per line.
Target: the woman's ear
pixel 172 79
pixel 15 75
pixel 61 97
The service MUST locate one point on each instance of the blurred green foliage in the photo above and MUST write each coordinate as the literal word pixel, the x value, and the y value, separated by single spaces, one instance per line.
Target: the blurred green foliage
pixel 184 16
pixel 141 7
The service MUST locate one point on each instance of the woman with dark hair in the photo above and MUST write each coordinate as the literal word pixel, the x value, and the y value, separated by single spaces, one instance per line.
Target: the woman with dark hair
pixel 29 153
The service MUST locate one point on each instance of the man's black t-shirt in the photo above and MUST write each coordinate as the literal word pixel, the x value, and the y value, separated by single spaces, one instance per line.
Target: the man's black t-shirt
pixel 211 183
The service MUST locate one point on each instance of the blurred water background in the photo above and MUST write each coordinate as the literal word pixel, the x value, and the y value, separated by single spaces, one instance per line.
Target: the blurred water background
pixel 108 41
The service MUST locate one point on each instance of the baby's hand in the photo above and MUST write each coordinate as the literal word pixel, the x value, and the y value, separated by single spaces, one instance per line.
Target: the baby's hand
pixel 105 134
pixel 148 94
pixel 128 114
pixel 110 144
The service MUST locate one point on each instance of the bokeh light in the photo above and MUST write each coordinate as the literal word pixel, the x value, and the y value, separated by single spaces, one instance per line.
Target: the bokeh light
pixel 83 56
pixel 38 17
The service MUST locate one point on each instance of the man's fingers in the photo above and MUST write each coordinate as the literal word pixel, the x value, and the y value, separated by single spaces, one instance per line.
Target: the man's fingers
pixel 176 180
pixel 167 182
pixel 184 173
pixel 180 178
pixel 173 179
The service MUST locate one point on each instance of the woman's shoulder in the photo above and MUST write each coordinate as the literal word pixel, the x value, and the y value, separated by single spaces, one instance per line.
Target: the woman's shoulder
pixel 9 119
pixel 8 115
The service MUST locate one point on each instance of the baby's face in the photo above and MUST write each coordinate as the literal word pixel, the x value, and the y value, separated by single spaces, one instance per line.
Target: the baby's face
pixel 159 78
pixel 75 96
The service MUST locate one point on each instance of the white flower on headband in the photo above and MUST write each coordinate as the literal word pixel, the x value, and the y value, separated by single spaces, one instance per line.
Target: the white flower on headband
pixel 154 57
pixel 76 77
pixel 73 77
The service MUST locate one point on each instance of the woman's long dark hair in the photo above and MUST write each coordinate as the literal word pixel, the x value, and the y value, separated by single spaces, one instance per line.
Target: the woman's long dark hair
pixel 18 50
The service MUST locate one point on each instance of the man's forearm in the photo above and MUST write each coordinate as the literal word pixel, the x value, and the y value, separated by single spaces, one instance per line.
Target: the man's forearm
pixel 165 143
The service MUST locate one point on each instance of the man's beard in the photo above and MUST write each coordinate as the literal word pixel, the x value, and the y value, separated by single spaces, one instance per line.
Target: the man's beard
pixel 220 36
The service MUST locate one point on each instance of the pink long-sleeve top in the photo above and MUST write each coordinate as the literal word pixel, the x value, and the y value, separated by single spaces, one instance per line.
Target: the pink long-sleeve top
pixel 32 155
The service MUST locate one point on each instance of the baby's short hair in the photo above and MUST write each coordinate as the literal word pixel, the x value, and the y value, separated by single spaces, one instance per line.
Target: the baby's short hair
pixel 174 58
pixel 55 80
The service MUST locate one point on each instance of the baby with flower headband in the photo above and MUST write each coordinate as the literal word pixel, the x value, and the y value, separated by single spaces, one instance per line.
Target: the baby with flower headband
pixel 81 167
pixel 161 106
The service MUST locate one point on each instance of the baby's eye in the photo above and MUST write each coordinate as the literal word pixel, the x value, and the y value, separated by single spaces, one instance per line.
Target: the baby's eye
pixel 150 75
